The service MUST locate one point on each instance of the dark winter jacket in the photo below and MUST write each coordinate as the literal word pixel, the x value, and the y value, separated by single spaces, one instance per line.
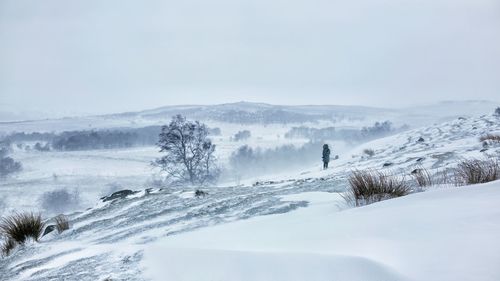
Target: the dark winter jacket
pixel 326 153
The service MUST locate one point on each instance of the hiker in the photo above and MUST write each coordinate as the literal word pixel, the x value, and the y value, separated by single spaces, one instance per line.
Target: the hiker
pixel 326 156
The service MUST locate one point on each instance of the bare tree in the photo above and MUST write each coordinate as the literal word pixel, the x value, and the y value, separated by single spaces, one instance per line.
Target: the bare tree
pixel 189 153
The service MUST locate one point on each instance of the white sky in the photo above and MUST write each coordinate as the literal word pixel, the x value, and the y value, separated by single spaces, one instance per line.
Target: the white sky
pixel 98 56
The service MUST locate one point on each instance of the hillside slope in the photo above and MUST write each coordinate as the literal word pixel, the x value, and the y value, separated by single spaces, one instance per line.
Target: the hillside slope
pixel 449 234
pixel 118 238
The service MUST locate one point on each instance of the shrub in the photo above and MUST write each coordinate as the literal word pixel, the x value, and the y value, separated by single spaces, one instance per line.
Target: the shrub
pixel 200 193
pixel 490 137
pixel 477 171
pixel 21 226
pixel 242 135
pixel 59 201
pixel 62 223
pixel 369 186
pixel 9 166
pixel 369 152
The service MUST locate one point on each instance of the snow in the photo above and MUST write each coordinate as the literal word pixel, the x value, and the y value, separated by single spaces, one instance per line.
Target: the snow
pixel 291 226
pixel 446 234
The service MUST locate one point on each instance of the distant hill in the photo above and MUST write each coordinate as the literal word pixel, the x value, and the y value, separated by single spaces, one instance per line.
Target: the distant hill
pixel 246 113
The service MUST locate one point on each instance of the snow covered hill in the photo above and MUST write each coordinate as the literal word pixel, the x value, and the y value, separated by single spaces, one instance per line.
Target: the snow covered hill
pixel 292 227
pixel 259 113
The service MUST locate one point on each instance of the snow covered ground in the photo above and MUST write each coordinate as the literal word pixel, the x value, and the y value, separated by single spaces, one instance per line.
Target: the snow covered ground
pixel 442 234
pixel 448 234
pixel 293 226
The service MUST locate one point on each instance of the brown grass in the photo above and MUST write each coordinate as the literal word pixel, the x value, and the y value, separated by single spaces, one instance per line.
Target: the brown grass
pixel 477 171
pixel 7 247
pixel 370 186
pixel 19 227
pixel 490 137
pixel 62 223
pixel 422 177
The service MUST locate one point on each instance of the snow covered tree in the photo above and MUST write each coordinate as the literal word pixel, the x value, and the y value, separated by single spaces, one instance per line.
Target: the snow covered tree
pixel 189 153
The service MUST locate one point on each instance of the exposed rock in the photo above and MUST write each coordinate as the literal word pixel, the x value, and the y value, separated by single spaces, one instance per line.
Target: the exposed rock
pixel 420 159
pixel 483 150
pixel 200 193
pixel 387 164
pixel 421 139
pixel 49 229
pixel 118 195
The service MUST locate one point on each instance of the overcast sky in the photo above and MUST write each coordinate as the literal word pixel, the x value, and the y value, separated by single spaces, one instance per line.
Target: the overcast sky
pixel 97 56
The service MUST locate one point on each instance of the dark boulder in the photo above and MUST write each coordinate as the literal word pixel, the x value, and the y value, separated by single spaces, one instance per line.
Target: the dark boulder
pixel 118 195
pixel 387 164
pixel 200 193
pixel 420 159
pixel 49 229
pixel 421 139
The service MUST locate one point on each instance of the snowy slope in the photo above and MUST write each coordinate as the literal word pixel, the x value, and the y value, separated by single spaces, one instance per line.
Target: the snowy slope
pixel 291 220
pixel 448 234
pixel 442 147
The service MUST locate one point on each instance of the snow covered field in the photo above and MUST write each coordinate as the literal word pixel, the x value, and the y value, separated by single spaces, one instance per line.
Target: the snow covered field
pixel 286 227
pixel 95 173
pixel 448 234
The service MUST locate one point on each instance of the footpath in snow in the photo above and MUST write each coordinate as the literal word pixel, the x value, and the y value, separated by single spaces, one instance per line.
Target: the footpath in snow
pixel 445 234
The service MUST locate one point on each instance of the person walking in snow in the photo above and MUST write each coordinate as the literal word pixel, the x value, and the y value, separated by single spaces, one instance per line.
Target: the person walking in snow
pixel 326 156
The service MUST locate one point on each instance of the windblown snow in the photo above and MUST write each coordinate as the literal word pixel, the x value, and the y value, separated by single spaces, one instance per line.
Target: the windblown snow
pixel 291 227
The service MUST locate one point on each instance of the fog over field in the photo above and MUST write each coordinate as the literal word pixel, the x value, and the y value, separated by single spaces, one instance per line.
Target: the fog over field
pixel 249 140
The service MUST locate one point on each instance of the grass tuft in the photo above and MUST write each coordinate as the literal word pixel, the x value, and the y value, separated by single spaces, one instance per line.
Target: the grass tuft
pixel 490 137
pixel 62 223
pixel 422 177
pixel 476 171
pixel 19 227
pixel 7 247
pixel 369 152
pixel 370 186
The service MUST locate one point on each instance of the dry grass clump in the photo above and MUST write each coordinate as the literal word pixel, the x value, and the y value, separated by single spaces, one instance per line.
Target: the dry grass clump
pixel 21 226
pixel 7 247
pixel 476 171
pixel 62 223
pixel 369 152
pixel 490 137
pixel 18 228
pixel 422 177
pixel 370 186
